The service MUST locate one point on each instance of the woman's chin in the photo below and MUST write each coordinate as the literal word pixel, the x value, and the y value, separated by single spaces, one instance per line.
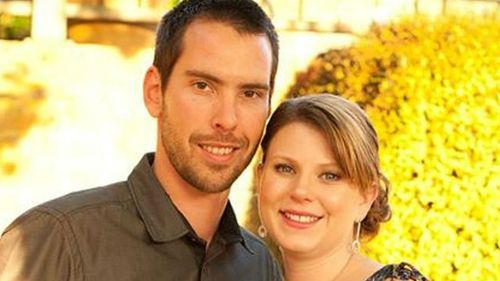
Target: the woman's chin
pixel 295 245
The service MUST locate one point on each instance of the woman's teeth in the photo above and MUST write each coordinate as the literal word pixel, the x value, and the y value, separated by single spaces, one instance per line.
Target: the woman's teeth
pixel 300 218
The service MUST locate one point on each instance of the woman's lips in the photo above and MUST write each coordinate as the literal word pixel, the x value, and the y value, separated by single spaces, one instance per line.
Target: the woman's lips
pixel 299 219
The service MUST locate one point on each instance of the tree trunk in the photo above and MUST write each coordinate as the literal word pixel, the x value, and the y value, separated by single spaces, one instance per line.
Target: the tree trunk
pixel 48 20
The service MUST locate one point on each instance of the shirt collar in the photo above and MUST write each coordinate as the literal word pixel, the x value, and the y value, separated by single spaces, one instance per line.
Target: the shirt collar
pixel 162 219
pixel 229 229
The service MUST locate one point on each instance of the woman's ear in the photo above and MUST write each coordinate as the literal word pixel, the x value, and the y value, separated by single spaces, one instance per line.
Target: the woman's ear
pixel 258 175
pixel 152 93
pixel 369 196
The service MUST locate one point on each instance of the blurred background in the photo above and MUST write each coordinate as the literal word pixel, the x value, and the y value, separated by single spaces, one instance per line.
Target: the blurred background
pixel 426 71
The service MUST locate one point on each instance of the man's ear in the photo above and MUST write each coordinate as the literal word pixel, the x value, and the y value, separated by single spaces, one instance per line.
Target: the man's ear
pixel 151 91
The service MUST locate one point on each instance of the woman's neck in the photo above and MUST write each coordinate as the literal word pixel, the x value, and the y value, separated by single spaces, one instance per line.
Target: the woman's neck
pixel 325 267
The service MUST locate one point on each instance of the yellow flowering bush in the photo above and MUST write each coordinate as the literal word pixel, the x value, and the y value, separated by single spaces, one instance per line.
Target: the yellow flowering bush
pixel 20 101
pixel 432 90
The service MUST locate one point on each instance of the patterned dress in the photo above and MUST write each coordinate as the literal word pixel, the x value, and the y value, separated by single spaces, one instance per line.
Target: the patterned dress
pixel 402 271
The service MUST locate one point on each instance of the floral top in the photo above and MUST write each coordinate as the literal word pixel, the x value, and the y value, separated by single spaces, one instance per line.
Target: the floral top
pixel 402 271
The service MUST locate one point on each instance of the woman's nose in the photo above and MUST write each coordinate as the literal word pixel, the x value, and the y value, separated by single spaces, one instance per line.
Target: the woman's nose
pixel 302 191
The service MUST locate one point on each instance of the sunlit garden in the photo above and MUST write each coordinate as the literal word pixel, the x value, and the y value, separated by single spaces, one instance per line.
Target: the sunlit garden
pixel 71 117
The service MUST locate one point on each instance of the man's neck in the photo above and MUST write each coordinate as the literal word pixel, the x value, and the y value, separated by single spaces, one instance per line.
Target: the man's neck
pixel 202 210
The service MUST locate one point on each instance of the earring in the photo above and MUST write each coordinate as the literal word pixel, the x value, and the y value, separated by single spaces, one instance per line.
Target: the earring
pixel 356 244
pixel 262 231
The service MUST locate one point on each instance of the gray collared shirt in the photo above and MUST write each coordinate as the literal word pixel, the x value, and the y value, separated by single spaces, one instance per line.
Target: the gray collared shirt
pixel 127 231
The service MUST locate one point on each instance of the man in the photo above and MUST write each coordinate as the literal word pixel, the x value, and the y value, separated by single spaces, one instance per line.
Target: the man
pixel 209 89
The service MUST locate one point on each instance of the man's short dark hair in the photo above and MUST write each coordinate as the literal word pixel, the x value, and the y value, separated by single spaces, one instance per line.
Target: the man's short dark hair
pixel 243 15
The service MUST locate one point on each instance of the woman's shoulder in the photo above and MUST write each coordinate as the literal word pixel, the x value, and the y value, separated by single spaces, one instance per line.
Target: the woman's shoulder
pixel 403 271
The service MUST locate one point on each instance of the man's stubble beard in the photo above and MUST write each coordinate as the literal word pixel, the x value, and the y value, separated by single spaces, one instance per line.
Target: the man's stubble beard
pixel 205 177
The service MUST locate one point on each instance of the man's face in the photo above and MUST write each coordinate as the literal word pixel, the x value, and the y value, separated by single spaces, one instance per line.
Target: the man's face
pixel 215 104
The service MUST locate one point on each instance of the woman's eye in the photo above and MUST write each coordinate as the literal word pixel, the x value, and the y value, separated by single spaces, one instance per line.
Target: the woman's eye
pixel 328 176
pixel 283 169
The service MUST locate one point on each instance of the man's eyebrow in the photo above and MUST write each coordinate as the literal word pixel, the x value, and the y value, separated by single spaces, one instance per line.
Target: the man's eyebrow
pixel 210 77
pixel 261 86
pixel 202 74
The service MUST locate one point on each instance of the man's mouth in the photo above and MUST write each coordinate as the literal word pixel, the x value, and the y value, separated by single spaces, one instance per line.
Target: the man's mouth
pixel 218 150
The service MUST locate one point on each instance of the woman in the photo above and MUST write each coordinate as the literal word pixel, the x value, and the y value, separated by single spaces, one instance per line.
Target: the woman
pixel 321 190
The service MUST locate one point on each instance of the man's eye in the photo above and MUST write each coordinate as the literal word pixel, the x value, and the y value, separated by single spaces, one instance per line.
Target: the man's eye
pixel 283 168
pixel 201 86
pixel 251 94
pixel 329 176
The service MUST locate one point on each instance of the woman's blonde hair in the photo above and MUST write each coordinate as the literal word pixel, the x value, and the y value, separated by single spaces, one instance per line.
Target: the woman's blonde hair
pixel 353 140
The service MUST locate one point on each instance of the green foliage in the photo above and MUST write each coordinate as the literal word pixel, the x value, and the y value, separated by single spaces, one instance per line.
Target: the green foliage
pixel 431 88
pixel 172 3
pixel 14 27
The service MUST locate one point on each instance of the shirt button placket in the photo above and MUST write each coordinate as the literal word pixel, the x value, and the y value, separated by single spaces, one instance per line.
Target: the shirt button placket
pixel 204 273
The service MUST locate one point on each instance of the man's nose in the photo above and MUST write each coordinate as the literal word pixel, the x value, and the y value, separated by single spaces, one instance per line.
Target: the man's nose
pixel 225 116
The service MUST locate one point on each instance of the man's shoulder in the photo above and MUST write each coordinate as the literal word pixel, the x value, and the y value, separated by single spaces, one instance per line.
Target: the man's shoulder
pixel 75 203
pixel 89 198
pixel 254 242
pixel 261 249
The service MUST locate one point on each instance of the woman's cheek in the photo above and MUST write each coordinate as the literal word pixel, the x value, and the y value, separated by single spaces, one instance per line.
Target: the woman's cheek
pixel 274 189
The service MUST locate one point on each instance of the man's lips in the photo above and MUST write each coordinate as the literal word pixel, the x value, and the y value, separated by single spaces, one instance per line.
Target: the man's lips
pixel 219 153
pixel 219 149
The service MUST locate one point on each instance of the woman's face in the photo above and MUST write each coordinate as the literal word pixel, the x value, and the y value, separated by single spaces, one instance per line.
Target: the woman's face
pixel 306 203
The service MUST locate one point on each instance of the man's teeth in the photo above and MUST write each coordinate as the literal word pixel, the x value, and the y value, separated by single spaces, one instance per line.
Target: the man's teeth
pixel 299 218
pixel 221 151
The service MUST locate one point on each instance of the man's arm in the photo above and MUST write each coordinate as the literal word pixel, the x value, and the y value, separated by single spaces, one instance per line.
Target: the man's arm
pixel 39 246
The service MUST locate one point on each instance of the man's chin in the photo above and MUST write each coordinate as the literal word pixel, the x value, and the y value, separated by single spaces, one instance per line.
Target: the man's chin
pixel 212 189
pixel 209 177
pixel 211 184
